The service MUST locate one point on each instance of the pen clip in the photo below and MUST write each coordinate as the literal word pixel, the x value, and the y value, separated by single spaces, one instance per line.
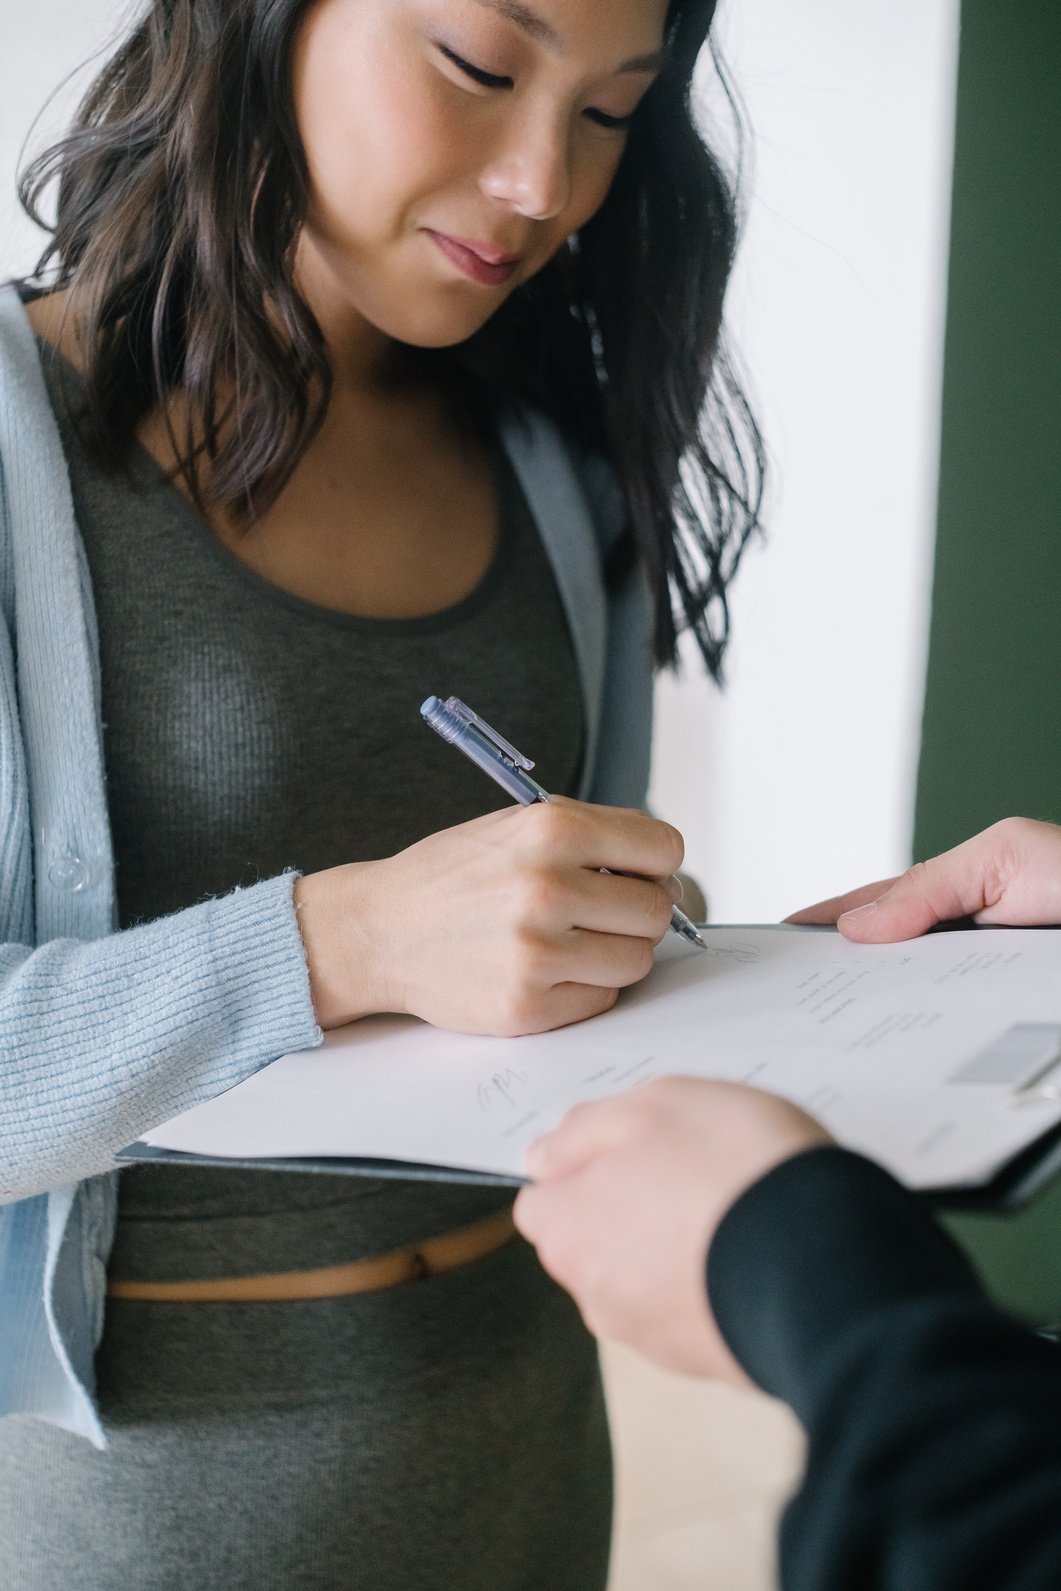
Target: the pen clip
pixel 464 713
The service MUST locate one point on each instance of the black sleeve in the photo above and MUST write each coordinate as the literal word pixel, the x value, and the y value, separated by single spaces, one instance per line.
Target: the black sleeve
pixel 933 1421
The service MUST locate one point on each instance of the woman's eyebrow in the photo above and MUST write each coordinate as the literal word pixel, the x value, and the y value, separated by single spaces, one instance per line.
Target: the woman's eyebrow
pixel 542 32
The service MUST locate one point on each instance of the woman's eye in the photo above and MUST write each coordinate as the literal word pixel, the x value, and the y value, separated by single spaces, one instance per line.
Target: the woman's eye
pixel 477 74
pixel 617 124
pixel 485 79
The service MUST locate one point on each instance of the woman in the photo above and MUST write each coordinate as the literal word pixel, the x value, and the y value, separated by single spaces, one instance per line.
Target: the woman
pixel 307 415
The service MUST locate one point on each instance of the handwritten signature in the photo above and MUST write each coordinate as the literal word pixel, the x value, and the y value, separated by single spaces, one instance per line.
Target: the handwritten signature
pixel 734 952
pixel 501 1089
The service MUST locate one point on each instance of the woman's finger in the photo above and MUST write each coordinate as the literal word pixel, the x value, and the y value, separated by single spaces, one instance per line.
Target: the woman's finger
pixel 563 833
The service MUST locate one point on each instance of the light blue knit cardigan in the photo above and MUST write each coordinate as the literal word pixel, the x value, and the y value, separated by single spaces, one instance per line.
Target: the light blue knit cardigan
pixel 105 1034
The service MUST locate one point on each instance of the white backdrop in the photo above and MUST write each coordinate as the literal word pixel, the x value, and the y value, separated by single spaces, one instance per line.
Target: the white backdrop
pixel 799 779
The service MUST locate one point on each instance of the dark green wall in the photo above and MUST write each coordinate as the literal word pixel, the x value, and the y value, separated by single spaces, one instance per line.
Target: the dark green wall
pixel 992 725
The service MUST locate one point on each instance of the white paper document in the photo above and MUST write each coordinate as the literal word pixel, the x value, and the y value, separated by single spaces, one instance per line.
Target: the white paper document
pixel 929 1056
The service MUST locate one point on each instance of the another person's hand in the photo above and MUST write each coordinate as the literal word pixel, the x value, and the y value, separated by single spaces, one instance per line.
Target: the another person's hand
pixel 628 1194
pixel 503 925
pixel 1009 875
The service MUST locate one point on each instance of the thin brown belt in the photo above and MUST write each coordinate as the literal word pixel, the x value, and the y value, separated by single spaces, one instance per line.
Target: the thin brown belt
pixel 409 1264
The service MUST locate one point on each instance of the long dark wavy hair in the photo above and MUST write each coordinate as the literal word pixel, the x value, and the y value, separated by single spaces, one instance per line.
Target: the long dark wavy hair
pixel 182 189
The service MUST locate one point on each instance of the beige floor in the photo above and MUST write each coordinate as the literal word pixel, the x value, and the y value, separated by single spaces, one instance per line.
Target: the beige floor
pixel 702 1471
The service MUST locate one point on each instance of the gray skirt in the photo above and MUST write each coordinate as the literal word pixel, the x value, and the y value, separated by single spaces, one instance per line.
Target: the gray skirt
pixel 445 1436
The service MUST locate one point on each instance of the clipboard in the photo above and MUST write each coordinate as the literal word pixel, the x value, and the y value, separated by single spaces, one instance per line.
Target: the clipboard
pixel 1021 1061
pixel 1010 1190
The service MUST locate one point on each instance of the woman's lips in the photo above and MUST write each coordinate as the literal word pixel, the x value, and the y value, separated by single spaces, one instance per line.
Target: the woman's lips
pixel 479 261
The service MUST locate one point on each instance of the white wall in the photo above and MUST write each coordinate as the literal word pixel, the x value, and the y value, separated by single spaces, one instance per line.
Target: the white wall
pixel 799 779
pixel 42 42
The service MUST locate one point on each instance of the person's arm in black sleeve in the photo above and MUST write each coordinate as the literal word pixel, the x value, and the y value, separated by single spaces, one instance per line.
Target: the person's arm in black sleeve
pixel 933 1421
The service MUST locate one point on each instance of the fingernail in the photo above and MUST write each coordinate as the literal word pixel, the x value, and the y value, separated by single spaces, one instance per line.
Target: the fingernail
pixel 858 911
pixel 676 889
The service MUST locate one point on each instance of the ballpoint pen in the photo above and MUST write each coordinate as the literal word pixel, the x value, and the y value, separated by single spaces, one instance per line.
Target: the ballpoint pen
pixel 457 724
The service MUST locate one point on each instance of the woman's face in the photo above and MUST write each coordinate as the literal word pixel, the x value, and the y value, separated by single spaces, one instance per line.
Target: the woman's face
pixel 453 145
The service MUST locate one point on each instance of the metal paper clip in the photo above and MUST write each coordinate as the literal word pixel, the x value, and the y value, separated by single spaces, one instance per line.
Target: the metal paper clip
pixel 1045 1085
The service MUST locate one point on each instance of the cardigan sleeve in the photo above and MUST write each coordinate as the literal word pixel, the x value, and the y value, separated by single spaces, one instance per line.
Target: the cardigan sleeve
pixel 101 1040
pixel 102 1034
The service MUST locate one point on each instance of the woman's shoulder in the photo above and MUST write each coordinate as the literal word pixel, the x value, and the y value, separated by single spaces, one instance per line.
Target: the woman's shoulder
pixel 603 492
pixel 52 317
pixel 600 482
pixel 30 324
pixel 547 446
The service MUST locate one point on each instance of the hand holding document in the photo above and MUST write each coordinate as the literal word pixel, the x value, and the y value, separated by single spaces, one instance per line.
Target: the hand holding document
pixel 932 1056
pixel 1007 876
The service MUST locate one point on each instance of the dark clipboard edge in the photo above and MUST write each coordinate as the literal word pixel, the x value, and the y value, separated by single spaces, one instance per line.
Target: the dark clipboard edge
pixel 1013 1187
pixel 1006 1193
pixel 398 1170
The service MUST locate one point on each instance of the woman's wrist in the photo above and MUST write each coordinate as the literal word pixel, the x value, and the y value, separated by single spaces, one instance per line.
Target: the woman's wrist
pixel 340 935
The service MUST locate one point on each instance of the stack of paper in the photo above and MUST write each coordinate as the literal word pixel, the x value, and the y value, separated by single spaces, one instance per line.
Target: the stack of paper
pixel 930 1056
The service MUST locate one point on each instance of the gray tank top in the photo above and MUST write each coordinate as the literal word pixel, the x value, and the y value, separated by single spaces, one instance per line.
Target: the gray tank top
pixel 247 731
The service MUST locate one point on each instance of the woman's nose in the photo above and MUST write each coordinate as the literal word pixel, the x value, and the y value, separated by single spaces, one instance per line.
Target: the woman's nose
pixel 531 170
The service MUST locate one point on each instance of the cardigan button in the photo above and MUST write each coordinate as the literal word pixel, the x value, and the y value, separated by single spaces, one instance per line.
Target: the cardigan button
pixel 68 872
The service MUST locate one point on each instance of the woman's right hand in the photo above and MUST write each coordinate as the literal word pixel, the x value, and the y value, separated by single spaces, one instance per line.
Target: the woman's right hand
pixel 504 925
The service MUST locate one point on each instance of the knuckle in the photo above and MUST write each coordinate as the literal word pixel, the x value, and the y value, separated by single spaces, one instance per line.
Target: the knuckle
pixel 639 960
pixel 1015 831
pixel 531 964
pixel 650 1100
pixel 518 1013
pixel 645 958
pixel 661 914
pixel 520 985
pixel 667 844
pixel 677 847
pixel 538 895
pixel 576 1117
pixel 1005 850
pixel 554 1257
pixel 603 1001
pixel 598 1000
pixel 547 822
pixel 919 877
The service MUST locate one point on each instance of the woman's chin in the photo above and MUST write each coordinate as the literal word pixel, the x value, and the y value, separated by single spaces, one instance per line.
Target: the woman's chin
pixel 443 328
